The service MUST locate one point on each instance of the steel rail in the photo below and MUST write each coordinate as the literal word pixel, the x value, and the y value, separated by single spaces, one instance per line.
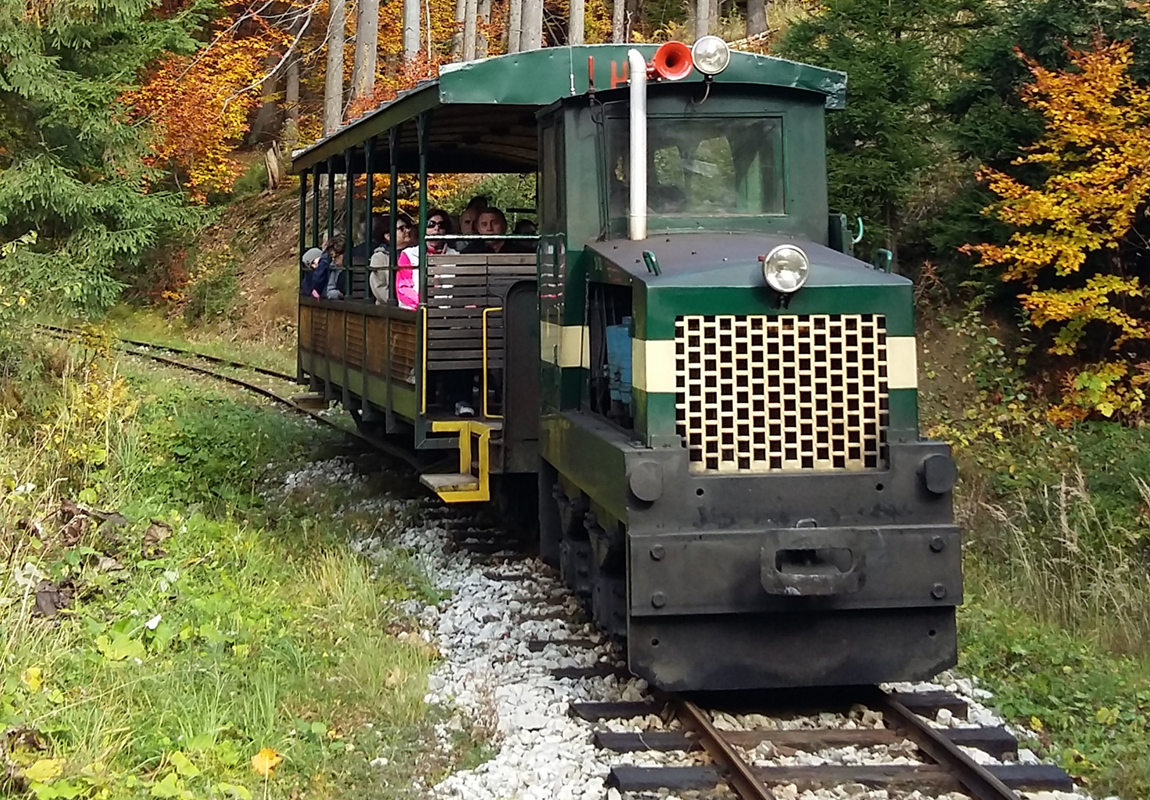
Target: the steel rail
pixel 122 345
pixel 977 781
pixel 734 768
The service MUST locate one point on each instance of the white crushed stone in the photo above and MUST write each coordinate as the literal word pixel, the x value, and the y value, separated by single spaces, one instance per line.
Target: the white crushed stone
pixel 491 680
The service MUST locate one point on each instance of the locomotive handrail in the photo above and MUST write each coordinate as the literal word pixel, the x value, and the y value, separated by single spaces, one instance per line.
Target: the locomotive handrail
pixel 487 311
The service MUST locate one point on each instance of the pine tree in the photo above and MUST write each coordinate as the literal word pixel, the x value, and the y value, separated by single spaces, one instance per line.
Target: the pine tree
pixel 890 50
pixel 71 164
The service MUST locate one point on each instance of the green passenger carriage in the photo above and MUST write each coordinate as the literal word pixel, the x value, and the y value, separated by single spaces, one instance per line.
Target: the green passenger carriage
pixel 708 401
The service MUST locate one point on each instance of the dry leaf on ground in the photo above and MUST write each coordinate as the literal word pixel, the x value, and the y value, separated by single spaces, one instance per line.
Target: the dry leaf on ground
pixel 265 761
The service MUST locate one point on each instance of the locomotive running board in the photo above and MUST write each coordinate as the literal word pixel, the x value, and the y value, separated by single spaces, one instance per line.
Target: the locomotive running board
pixel 465 486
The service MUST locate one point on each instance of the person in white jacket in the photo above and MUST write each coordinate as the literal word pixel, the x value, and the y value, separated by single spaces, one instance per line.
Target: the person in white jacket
pixel 379 269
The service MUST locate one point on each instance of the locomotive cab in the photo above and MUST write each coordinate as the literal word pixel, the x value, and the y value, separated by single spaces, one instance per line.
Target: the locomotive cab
pixel 729 431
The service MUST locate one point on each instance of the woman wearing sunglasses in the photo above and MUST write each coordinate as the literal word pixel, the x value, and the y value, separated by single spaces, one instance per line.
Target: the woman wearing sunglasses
pixel 406 282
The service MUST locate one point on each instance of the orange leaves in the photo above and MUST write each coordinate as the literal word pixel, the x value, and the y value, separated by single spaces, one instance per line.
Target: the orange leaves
pixel 1071 232
pixel 1097 149
pixel 199 107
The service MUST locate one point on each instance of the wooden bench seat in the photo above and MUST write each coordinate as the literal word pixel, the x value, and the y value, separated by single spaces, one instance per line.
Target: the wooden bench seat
pixel 459 289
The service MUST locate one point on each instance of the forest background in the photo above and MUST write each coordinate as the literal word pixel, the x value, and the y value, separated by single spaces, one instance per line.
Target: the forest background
pixel 999 150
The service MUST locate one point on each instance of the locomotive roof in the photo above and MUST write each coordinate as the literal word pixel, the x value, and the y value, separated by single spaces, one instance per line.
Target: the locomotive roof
pixel 481 114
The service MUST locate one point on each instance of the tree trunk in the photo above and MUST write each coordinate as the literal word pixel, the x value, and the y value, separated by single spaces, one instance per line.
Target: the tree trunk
pixel 366 47
pixel 410 29
pixel 618 9
pixel 756 17
pixel 514 25
pixel 630 16
pixel 470 11
pixel 532 36
pixel 291 104
pixel 575 25
pixel 457 39
pixel 702 18
pixel 265 121
pixel 483 23
pixel 333 73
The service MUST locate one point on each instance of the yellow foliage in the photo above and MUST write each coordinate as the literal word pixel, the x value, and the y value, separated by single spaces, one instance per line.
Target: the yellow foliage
pixel 1071 232
pixel 265 761
pixel 45 770
pixel 33 678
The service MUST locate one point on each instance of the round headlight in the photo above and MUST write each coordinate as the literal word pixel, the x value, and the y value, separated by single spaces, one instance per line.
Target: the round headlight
pixel 786 268
pixel 711 55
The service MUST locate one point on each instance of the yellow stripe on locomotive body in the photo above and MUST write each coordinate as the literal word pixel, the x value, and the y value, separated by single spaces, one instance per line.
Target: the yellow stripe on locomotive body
pixel 713 402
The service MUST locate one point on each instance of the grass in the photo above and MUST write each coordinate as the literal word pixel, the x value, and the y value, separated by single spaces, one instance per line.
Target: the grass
pixel 210 623
pixel 220 339
pixel 1057 619
pixel 1057 614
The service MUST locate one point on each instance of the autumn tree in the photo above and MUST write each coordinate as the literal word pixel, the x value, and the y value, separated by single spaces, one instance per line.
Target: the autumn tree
pixel 411 26
pixel 366 48
pixel 987 121
pixel 531 37
pixel 514 25
pixel 756 17
pixel 576 28
pixel 1077 249
pixel 199 107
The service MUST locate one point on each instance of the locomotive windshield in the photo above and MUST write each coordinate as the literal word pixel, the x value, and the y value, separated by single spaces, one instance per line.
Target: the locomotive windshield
pixel 717 166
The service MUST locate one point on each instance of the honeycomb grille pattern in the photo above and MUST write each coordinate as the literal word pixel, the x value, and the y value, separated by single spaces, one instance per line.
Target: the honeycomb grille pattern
pixel 782 393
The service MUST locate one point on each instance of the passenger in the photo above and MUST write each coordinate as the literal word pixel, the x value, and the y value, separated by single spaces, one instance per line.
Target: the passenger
pixel 378 234
pixel 492 222
pixel 470 215
pixel 468 219
pixel 380 229
pixel 379 274
pixel 406 279
pixel 523 227
pixel 311 260
pixel 337 275
pixel 316 284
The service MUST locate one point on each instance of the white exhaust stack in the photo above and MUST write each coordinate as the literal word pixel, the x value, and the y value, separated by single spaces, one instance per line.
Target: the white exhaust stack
pixel 637 222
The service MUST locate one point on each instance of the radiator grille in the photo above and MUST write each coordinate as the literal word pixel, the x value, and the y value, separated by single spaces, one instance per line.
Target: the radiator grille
pixel 780 393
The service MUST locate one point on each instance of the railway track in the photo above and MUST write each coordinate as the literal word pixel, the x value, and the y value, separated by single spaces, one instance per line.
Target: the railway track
pixel 187 360
pixel 898 724
pixel 766 746
pixel 751 760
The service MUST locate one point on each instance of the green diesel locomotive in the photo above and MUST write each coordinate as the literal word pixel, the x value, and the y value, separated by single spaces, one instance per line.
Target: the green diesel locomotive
pixel 708 401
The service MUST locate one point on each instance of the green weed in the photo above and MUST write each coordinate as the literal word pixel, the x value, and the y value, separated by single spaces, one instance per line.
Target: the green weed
pixel 198 628
pixel 212 294
pixel 1083 706
pixel 1057 617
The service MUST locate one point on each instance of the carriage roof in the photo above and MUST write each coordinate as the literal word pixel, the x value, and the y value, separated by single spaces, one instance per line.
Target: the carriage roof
pixel 481 114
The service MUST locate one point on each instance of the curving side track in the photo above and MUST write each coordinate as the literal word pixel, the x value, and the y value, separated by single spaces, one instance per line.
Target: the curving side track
pixel 186 359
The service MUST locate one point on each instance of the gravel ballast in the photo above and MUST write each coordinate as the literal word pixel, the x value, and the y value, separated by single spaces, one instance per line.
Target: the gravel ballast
pixel 491 680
